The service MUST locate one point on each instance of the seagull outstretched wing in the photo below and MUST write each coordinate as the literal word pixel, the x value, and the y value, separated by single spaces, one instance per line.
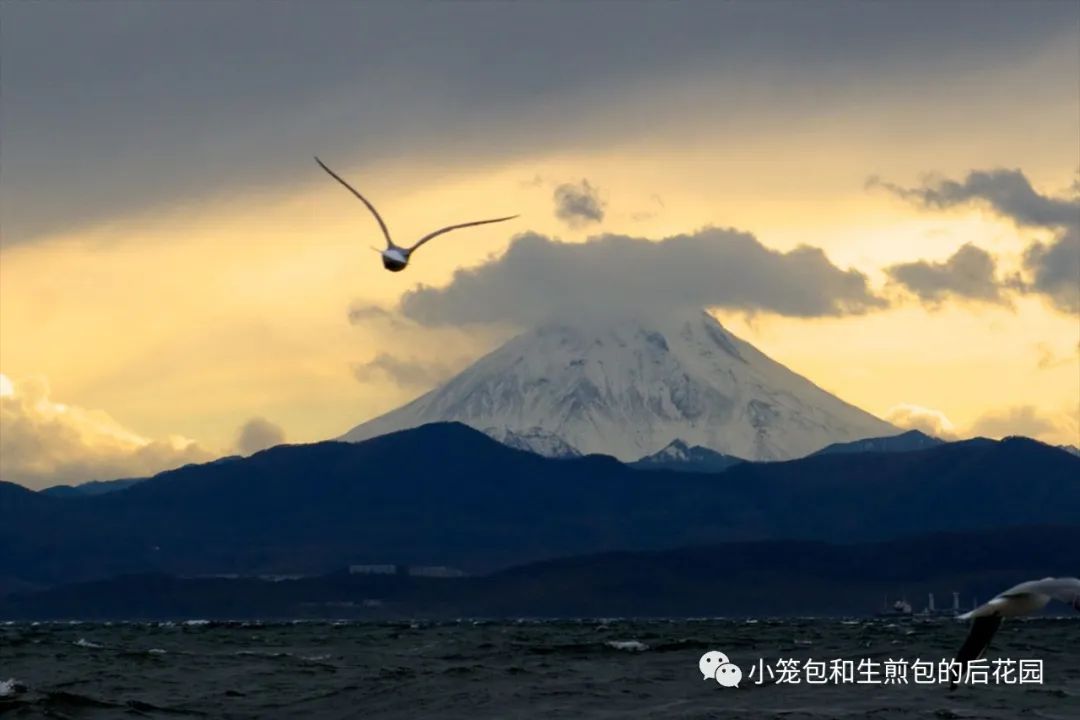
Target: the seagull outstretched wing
pixel 982 632
pixel 448 228
pixel 385 232
pixel 1066 590
pixel 1019 600
pixel 978 639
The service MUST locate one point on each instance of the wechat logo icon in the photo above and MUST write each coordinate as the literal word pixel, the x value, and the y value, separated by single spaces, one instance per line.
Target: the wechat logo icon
pixel 716 666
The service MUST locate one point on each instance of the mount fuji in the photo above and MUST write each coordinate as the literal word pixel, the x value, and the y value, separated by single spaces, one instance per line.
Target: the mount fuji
pixel 630 387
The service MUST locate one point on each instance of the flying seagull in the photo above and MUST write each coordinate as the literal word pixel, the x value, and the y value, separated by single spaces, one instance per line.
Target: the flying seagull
pixel 1023 599
pixel 395 257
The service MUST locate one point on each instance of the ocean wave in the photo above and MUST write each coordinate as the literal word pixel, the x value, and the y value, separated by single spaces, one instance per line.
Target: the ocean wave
pixel 62 698
pixel 683 644
pixel 262 654
pixel 83 642
pixel 11 687
pixel 631 645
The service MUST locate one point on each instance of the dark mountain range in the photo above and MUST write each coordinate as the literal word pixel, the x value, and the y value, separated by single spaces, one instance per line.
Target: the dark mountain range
pixel 100 487
pixel 444 494
pixel 768 578
pixel 904 442
pixel 94 487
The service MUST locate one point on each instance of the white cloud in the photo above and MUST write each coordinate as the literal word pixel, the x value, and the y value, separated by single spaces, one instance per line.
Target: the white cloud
pixel 44 442
pixel 927 420
pixel 1022 420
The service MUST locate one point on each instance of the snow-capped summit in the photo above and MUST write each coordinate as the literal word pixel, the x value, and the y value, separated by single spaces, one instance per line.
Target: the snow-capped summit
pixel 680 456
pixel 628 388
pixel 674 451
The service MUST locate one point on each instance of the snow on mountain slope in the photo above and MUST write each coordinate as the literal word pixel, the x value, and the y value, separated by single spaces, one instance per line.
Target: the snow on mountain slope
pixel 535 440
pixel 628 388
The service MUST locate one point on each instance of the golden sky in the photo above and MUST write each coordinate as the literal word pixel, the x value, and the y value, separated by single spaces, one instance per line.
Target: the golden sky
pixel 150 334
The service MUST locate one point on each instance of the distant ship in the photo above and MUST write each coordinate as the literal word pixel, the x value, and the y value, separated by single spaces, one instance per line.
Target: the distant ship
pixel 933 611
pixel 902 608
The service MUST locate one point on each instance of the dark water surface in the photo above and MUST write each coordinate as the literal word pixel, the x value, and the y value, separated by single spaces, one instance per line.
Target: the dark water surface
pixel 475 669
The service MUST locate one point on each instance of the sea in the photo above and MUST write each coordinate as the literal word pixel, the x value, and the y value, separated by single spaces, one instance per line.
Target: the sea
pixel 591 668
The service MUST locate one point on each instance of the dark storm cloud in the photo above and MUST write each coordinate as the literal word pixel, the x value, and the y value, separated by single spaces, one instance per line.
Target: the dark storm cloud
pixel 1008 192
pixel 258 434
pixel 538 278
pixel 116 107
pixel 968 274
pixel 578 204
pixel 1055 269
pixel 1052 268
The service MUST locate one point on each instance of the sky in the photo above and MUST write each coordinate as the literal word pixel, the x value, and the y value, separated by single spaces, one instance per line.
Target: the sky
pixel 885 197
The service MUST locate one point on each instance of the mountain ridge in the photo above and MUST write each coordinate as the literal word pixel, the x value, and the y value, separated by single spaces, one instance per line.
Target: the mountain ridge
pixel 445 494
pixel 904 442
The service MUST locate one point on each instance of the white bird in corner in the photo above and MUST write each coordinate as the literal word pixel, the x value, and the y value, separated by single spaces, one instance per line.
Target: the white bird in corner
pixel 1023 599
pixel 395 257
